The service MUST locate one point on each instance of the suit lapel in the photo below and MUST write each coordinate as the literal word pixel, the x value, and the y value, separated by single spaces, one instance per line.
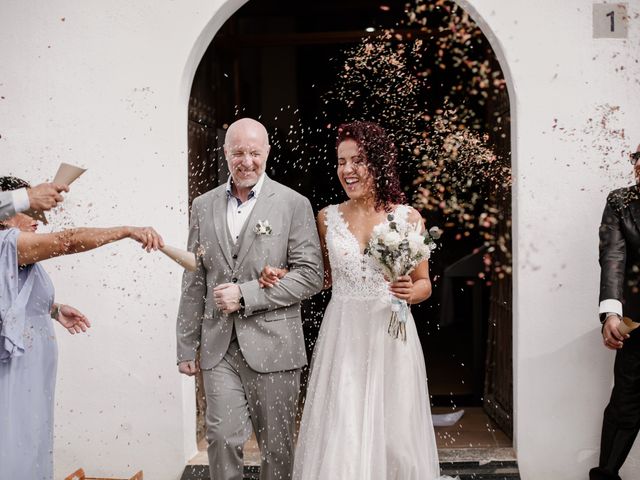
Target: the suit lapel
pixel 260 212
pixel 219 212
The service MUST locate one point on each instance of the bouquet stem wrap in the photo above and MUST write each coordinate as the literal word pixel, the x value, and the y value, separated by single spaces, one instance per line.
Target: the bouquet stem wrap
pixel 399 316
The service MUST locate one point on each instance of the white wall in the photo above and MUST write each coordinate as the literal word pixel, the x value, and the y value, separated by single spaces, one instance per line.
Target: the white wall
pixel 107 88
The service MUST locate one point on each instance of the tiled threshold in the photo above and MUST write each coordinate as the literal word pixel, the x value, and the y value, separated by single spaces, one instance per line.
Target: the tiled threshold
pixel 493 463
pixel 465 470
pixel 474 449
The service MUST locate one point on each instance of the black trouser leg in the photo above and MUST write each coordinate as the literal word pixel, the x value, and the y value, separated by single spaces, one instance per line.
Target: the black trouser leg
pixel 622 415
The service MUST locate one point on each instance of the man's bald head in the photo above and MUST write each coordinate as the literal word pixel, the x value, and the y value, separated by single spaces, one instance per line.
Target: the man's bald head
pixel 246 148
pixel 246 128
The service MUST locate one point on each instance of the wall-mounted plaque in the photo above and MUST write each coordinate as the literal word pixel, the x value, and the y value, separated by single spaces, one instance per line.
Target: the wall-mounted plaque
pixel 610 20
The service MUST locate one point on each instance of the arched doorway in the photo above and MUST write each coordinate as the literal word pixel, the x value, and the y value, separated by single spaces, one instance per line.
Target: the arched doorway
pixel 287 68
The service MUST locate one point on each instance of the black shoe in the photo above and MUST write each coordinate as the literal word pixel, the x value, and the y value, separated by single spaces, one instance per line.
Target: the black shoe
pixel 601 474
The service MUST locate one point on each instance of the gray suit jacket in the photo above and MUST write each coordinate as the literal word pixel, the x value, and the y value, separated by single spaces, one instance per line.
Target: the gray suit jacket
pixel 270 329
pixel 7 209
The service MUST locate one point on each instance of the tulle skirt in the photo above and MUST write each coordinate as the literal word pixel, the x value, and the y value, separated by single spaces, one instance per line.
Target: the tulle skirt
pixel 367 413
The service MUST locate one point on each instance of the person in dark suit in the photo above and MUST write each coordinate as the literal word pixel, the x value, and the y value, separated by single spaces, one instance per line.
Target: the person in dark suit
pixel 620 297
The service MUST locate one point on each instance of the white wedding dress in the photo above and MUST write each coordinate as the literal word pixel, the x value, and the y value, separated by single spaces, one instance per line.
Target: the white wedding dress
pixel 367 414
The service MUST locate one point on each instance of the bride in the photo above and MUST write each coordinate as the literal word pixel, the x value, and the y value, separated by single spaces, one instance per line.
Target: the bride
pixel 367 413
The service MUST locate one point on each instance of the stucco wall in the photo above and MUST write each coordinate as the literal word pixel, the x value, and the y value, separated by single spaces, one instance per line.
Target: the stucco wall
pixel 105 85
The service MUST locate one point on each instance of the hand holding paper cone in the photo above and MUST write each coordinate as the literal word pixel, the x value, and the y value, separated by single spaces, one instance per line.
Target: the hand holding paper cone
pixel 626 326
pixel 65 175
pixel 181 257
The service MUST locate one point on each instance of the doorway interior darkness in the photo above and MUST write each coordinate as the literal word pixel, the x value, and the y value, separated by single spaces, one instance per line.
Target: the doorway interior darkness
pixel 278 62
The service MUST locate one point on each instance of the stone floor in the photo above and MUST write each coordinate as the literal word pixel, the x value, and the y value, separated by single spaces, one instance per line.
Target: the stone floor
pixel 474 438
pixel 474 430
pixel 474 448
pixel 465 470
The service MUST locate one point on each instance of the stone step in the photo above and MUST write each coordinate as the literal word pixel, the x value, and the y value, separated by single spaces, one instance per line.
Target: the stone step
pixel 496 470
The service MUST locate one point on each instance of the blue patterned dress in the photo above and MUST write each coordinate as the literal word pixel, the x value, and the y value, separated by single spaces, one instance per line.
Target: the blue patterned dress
pixel 28 358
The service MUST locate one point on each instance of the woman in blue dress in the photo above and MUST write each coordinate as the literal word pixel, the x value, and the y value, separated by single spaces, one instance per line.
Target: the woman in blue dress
pixel 28 351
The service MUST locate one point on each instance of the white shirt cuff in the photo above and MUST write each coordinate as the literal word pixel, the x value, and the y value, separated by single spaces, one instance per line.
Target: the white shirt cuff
pixel 610 305
pixel 20 200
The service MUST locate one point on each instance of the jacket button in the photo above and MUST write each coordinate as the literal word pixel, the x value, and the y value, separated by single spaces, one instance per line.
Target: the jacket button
pixel 235 256
pixel 234 280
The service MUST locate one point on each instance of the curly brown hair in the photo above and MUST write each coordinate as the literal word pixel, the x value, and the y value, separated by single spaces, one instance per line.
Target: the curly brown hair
pixel 12 183
pixel 380 157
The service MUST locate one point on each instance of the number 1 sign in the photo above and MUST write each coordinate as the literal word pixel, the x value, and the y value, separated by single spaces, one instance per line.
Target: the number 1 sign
pixel 610 20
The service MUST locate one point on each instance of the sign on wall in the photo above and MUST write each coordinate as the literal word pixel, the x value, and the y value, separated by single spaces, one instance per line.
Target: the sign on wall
pixel 610 20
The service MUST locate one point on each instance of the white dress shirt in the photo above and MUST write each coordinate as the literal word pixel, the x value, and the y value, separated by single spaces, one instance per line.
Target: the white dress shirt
pixel 237 211
pixel 610 305
pixel 20 200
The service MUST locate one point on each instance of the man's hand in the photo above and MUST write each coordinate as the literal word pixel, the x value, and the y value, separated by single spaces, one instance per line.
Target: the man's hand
pixel 227 297
pixel 613 339
pixel 72 320
pixel 45 196
pixel 189 368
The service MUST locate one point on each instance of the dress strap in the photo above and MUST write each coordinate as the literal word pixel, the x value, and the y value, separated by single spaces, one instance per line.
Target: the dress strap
pixel 332 217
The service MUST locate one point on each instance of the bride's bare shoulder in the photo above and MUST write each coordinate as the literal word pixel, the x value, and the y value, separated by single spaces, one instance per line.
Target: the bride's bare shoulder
pixel 414 215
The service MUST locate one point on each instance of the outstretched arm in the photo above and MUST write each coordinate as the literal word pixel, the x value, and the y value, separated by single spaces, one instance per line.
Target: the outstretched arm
pixel 34 247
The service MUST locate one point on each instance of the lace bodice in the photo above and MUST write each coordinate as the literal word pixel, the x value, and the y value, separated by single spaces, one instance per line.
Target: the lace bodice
pixel 353 273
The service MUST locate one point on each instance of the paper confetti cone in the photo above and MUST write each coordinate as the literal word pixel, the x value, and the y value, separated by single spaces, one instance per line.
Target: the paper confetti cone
pixel 627 326
pixel 185 259
pixel 67 174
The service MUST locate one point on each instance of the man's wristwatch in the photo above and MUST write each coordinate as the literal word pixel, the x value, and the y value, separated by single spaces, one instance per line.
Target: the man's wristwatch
pixel 241 302
pixel 55 313
pixel 611 314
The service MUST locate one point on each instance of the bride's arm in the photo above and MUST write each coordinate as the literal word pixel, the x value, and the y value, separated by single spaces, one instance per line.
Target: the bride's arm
pixel 413 288
pixel 34 247
pixel 416 287
pixel 322 233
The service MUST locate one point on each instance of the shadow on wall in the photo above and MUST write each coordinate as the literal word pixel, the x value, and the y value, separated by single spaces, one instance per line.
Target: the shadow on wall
pixel 578 368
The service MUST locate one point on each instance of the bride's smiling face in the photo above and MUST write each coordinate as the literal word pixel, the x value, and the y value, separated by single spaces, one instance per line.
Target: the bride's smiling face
pixel 353 173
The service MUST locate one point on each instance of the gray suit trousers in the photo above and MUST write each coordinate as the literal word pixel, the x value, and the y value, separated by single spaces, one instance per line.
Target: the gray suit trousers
pixel 239 398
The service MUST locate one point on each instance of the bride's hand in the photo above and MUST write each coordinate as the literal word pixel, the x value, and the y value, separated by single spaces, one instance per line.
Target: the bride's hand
pixel 402 288
pixel 270 276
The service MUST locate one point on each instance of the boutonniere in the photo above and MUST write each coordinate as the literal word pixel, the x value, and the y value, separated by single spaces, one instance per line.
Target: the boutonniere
pixel 263 228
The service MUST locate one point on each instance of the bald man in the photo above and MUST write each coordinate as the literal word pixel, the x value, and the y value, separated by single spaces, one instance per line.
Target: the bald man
pixel 249 340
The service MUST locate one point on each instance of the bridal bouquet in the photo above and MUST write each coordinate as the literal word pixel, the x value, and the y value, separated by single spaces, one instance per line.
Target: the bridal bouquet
pixel 398 247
